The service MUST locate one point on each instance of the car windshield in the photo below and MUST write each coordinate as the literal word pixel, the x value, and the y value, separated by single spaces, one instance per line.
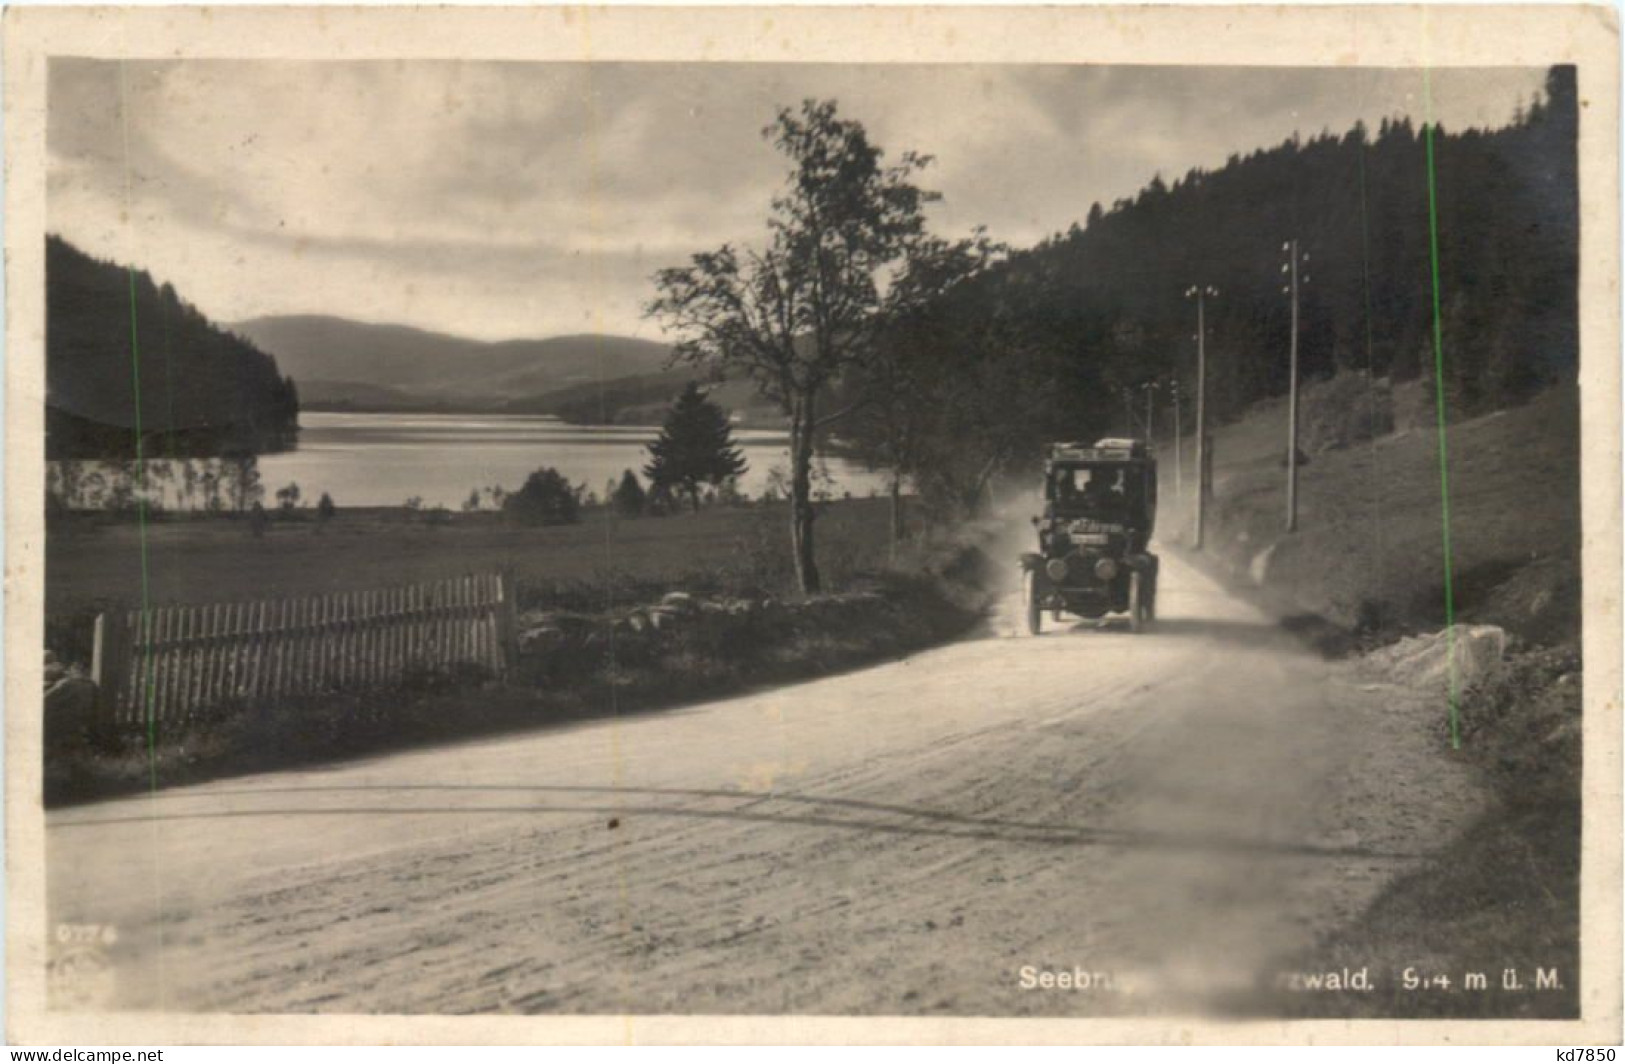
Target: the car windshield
pixel 1110 494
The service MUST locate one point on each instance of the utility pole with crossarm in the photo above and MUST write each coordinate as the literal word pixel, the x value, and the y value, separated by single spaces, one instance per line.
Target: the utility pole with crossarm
pixel 1290 267
pixel 1201 293
pixel 1150 389
pixel 1179 463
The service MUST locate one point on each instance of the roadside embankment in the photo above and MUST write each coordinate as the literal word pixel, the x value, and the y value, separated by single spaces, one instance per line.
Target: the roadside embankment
pixel 1368 553
pixel 1365 572
pixel 574 664
pixel 1489 927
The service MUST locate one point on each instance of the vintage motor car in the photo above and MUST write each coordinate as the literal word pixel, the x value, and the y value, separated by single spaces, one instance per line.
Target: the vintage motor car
pixel 1100 504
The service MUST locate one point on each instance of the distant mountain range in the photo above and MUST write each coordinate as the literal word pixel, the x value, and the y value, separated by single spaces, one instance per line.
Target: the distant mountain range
pixel 313 348
pixel 645 400
pixel 340 364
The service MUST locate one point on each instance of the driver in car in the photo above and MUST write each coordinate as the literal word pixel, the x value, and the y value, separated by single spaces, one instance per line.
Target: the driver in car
pixel 1066 494
pixel 1101 497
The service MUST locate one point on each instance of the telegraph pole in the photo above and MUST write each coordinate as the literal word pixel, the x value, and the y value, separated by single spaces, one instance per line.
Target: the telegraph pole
pixel 1179 465
pixel 1150 390
pixel 1201 293
pixel 1290 267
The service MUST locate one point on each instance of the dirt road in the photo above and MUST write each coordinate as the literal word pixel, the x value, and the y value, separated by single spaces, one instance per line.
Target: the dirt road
pixel 1173 811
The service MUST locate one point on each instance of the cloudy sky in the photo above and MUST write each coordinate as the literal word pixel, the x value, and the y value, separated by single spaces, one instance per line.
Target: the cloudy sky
pixel 501 200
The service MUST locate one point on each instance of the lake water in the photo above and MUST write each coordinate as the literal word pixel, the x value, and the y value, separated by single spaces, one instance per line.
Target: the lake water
pixel 383 459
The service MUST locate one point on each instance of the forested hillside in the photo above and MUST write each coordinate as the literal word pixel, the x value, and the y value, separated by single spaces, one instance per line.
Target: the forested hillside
pixel 202 390
pixel 1042 344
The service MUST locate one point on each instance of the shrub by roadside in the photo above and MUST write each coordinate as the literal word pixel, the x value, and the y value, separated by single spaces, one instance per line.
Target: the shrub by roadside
pixel 1345 410
pixel 1523 725
pixel 688 648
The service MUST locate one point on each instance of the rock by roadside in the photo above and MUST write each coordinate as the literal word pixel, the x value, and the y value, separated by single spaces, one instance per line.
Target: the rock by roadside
pixel 551 631
pixel 1518 706
pixel 1463 655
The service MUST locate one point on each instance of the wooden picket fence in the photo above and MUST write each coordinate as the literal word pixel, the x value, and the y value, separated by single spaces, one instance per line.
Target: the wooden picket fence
pixel 173 663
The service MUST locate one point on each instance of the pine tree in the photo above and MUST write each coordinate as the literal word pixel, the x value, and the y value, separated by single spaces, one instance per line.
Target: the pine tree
pixel 628 497
pixel 695 447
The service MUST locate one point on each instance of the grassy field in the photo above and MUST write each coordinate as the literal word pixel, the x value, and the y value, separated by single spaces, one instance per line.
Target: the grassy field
pixel 1369 553
pixel 602 562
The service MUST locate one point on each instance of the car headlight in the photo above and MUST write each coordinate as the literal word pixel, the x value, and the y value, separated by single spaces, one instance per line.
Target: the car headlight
pixel 1105 569
pixel 1056 568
